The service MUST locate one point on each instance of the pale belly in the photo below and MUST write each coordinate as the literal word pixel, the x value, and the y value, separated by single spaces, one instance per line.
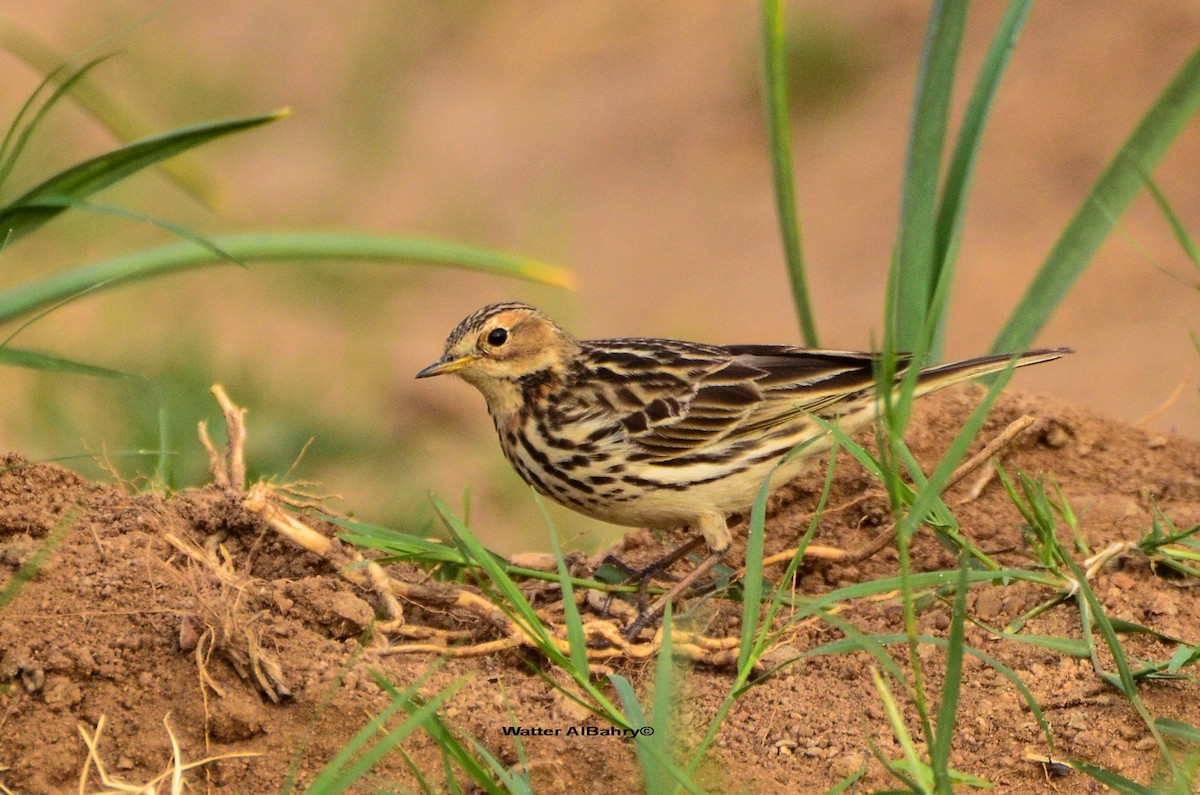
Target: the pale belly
pixel 609 487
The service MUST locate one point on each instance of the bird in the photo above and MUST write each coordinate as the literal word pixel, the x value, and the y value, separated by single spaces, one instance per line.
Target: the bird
pixel 664 433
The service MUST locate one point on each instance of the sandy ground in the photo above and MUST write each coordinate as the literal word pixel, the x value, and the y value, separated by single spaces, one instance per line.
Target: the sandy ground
pixel 106 629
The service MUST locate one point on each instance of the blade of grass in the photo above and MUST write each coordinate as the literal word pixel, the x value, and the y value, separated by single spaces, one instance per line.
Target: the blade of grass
pixel 1106 201
pixel 1114 781
pixel 114 116
pixel 915 767
pixel 22 139
pixel 654 777
pixel 779 139
pixel 24 215
pixel 915 268
pixel 1178 729
pixel 753 579
pixel 1177 228
pixel 1126 683
pixel 31 567
pixel 959 174
pixel 176 229
pixel 273 247
pixel 939 754
pixel 297 757
pixel 848 645
pixel 342 773
pixel 445 740
pixel 35 360
pixel 575 636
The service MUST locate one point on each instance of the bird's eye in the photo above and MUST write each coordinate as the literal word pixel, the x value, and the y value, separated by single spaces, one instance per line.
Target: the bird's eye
pixel 497 337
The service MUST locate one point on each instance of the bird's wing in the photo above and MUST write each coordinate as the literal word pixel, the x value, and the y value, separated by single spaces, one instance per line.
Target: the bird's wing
pixel 680 399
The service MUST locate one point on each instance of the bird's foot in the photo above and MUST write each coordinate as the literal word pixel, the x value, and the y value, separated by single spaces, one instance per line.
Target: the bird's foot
pixel 650 615
pixel 645 575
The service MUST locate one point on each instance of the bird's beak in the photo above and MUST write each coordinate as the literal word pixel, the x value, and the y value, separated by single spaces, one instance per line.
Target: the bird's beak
pixel 446 364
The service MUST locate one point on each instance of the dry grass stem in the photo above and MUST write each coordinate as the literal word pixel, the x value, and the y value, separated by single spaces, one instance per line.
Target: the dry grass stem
pixel 112 785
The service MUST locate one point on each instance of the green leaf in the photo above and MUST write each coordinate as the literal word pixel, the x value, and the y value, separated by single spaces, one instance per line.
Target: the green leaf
pixel 34 360
pixel 939 754
pixel 115 116
pixel 1180 231
pixel 294 247
pixel 1104 204
pixel 341 773
pixel 1174 728
pixel 779 138
pixel 10 157
pixel 33 565
pixel 915 271
pixel 953 203
pixel 27 212
pixel 1112 780
pixel 575 635
pixel 852 644
pixel 912 761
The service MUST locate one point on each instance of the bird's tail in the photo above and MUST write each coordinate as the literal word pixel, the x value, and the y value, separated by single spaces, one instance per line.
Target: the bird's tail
pixel 943 375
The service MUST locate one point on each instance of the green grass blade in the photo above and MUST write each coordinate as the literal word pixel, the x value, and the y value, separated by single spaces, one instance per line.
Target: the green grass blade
pixel 517 605
pixel 294 247
pixel 1178 729
pixel 364 735
pixel 660 707
pixel 779 139
pixel 939 754
pixel 25 214
pixel 10 157
pixel 575 636
pixel 1113 781
pixel 340 777
pixel 1106 201
pixel 31 567
pixel 1177 228
pixel 653 758
pixel 34 360
pixel 914 767
pixel 857 640
pixel 914 264
pixel 657 746
pixel 849 781
pixel 131 215
pixel 450 745
pixel 753 580
pixel 1126 683
pixel 961 169
pixel 848 645
pixel 114 116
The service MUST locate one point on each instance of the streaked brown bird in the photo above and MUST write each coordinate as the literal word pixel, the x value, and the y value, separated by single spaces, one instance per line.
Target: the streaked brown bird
pixel 663 433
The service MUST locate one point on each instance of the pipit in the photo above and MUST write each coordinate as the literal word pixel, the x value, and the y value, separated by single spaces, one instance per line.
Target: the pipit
pixel 663 433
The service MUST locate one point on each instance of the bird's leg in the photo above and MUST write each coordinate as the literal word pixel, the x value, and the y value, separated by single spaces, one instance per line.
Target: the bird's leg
pixel 715 532
pixel 646 574
pixel 652 613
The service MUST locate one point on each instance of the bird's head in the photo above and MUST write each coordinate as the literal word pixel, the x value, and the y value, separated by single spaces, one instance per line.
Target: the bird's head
pixel 500 345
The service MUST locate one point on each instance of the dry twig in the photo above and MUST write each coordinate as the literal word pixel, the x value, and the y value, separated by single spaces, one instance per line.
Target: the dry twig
pixel 396 635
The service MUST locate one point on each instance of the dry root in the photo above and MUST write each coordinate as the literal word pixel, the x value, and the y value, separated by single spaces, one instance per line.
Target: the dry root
pixel 394 634
pixel 224 624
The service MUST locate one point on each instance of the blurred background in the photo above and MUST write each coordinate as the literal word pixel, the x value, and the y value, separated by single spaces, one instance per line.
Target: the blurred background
pixel 621 139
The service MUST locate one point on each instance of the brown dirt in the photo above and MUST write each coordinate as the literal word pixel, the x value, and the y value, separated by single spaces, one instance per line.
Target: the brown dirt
pixel 98 632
